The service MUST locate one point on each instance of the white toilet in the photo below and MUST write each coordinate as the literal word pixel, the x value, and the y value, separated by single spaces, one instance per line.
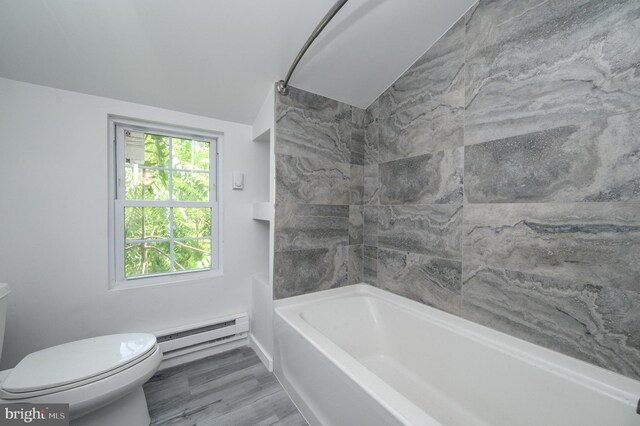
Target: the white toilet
pixel 100 378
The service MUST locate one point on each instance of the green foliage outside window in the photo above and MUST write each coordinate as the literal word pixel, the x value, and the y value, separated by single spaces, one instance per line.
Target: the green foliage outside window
pixel 173 170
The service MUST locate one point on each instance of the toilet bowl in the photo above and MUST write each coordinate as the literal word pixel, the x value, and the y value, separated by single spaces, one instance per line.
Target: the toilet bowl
pixel 100 378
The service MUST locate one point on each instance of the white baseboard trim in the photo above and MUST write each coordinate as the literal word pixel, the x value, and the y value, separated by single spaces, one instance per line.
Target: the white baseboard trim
pixel 264 356
pixel 213 350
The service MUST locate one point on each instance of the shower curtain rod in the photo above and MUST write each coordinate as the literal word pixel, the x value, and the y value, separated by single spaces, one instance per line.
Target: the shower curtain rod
pixel 283 85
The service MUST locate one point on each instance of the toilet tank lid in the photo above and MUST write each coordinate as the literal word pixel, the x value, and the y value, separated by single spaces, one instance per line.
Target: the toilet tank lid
pixel 77 361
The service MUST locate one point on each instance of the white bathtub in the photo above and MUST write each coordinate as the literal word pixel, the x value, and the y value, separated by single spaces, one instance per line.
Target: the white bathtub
pixel 359 355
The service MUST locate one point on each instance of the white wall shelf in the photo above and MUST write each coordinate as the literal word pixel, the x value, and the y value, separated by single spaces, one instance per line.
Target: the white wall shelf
pixel 263 211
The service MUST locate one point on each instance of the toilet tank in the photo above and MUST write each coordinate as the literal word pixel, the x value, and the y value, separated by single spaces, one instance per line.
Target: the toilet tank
pixel 4 292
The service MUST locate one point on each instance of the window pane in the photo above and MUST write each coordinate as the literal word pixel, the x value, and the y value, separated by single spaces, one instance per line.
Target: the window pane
pixel 146 149
pixel 190 155
pixel 145 184
pixel 146 259
pixel 156 150
pixel 191 255
pixel 189 186
pixel 146 223
pixel 191 222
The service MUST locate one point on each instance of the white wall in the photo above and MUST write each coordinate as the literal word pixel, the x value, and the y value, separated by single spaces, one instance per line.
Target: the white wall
pixel 53 223
pixel 262 288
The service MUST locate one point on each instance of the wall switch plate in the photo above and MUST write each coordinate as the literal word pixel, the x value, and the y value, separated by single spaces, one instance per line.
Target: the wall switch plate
pixel 237 180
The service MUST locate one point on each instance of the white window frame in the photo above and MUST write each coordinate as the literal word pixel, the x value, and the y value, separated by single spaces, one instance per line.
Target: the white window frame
pixel 117 204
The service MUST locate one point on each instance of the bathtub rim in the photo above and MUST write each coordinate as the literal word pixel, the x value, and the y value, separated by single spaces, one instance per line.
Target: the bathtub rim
pixel 598 379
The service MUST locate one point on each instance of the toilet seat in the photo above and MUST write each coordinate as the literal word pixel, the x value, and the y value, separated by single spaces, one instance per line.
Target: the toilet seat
pixel 100 379
pixel 87 398
pixel 76 364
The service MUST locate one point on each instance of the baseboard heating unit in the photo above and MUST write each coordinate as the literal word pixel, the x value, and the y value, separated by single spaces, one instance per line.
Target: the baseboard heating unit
pixel 201 337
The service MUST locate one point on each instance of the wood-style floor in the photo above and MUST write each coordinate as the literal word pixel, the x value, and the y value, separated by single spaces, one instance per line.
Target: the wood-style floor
pixel 232 388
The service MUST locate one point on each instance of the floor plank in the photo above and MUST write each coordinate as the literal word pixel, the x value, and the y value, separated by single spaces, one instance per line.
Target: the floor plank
pixel 232 388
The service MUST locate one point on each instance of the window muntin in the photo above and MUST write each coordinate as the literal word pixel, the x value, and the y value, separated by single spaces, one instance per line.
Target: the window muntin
pixel 166 210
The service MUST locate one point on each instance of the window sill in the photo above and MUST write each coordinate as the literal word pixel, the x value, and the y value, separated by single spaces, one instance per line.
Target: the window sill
pixel 116 285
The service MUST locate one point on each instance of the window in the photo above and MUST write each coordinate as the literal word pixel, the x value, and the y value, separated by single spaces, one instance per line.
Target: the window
pixel 165 201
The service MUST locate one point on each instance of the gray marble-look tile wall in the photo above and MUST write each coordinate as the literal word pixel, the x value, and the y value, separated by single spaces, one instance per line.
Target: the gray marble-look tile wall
pixel 413 190
pixel 319 220
pixel 501 176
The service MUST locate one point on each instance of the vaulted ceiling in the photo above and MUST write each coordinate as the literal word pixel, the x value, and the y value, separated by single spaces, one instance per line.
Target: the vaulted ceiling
pixel 216 58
